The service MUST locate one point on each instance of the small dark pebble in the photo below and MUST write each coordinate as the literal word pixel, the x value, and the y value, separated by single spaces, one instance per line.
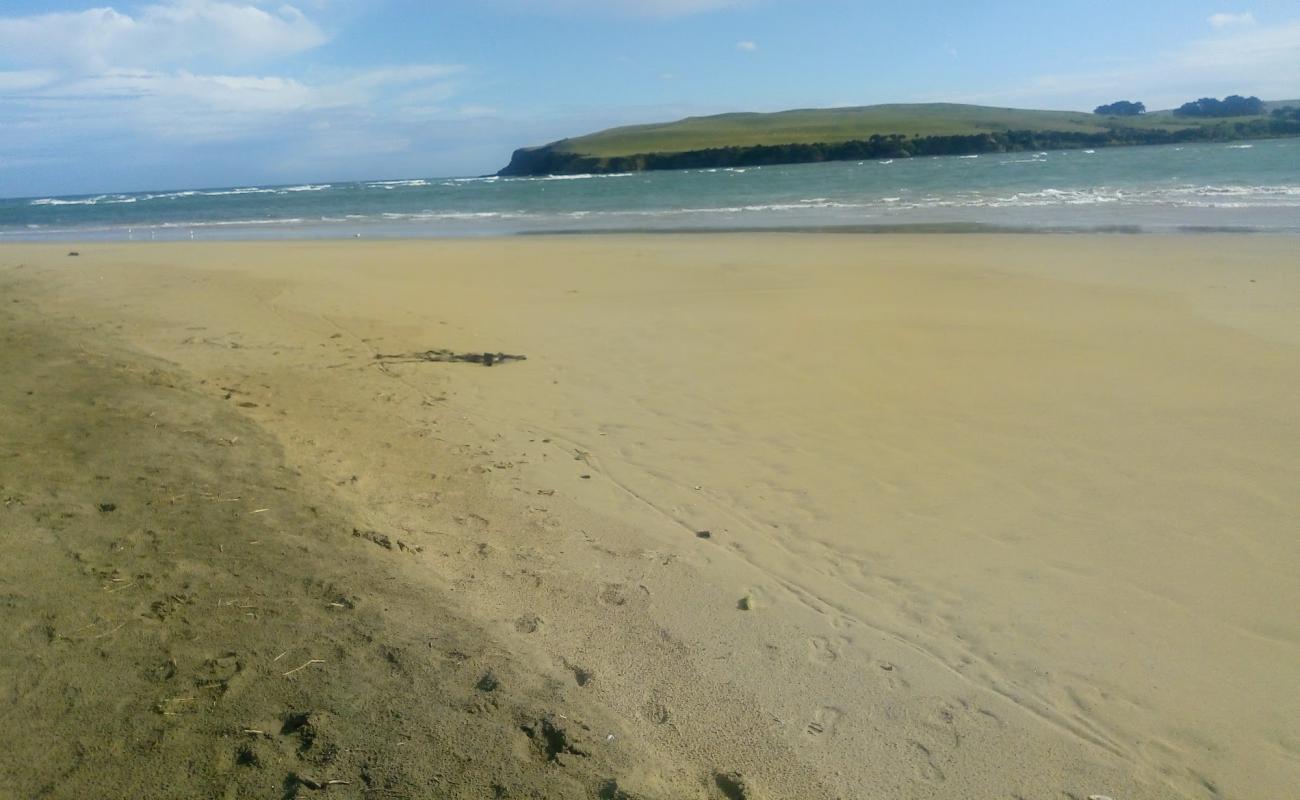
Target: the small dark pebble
pixel 74 253
pixel 107 507
pixel 585 477
pixel 887 667
pixel 704 534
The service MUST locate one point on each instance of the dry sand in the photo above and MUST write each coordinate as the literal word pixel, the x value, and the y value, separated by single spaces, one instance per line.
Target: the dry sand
pixel 986 516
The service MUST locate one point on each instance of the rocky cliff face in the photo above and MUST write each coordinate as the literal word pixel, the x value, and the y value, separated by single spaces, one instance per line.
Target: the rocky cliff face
pixel 546 160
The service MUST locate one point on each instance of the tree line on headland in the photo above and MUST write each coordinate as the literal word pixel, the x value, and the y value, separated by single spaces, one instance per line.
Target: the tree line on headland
pixel 549 160
pixel 1231 106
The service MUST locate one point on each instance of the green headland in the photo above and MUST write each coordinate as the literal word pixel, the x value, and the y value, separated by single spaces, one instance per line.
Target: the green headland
pixel 883 131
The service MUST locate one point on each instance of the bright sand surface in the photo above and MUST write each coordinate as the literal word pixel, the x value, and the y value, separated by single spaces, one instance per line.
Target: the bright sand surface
pixel 989 516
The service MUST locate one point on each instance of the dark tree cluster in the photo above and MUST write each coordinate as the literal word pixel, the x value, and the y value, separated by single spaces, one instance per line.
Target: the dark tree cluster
pixel 1286 113
pixel 1121 108
pixel 1231 106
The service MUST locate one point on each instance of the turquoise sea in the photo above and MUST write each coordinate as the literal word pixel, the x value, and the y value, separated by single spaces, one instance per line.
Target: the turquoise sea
pixel 1251 186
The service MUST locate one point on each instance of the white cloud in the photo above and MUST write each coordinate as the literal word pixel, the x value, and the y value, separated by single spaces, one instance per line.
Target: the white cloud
pixel 22 80
pixel 638 8
pixel 176 32
pixel 1226 20
pixel 183 105
pixel 1261 60
pixel 747 46
pixel 1258 52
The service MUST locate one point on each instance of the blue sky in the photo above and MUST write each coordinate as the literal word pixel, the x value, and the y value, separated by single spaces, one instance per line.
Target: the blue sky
pixel 122 95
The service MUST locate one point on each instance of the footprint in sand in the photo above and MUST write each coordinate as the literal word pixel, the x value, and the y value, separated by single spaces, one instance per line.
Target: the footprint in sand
pixel 924 765
pixel 823 650
pixel 613 594
pixel 654 711
pixel 823 722
pixel 890 672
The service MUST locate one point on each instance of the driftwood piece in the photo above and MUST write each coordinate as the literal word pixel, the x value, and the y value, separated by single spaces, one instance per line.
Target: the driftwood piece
pixel 447 356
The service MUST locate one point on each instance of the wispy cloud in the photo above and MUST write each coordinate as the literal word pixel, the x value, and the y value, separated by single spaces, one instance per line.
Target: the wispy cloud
pixel 193 107
pixel 1250 59
pixel 175 77
pixel 747 46
pixel 637 8
pixel 1227 20
pixel 24 80
pixel 174 33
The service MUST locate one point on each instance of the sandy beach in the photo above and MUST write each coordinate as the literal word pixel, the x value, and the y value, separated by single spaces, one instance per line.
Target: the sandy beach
pixel 760 516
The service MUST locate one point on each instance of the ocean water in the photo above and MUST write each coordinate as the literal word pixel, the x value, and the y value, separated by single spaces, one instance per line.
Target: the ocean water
pixel 1251 186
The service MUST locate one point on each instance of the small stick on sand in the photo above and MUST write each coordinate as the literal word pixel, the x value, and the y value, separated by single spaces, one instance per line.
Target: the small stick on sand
pixel 110 633
pixel 304 666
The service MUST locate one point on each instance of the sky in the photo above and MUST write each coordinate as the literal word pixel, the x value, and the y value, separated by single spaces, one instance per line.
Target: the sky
pixel 117 95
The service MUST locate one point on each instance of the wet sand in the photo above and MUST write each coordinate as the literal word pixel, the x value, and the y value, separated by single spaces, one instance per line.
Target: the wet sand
pixel 784 515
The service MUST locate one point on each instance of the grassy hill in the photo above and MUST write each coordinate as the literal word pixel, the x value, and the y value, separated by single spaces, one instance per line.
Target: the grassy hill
pixel 627 147
pixel 806 126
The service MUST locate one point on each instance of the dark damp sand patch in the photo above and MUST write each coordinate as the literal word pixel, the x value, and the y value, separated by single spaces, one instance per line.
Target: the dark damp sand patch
pixel 162 641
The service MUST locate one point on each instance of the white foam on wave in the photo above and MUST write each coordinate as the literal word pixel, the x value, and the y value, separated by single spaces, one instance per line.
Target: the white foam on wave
pixel 584 176
pixel 227 223
pixel 453 215
pixel 106 199
pixel 308 187
pixel 397 184
pixel 56 201
pixel 170 195
pixel 1184 196
pixel 228 192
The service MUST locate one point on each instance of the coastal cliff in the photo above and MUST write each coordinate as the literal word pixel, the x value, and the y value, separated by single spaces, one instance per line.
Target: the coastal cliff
pixel 591 155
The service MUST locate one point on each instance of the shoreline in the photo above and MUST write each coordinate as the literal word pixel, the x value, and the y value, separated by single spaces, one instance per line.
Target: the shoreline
pixel 915 459
pixel 115 236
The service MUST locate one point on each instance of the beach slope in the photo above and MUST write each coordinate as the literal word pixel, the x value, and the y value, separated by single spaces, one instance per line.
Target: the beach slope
pixel 759 516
